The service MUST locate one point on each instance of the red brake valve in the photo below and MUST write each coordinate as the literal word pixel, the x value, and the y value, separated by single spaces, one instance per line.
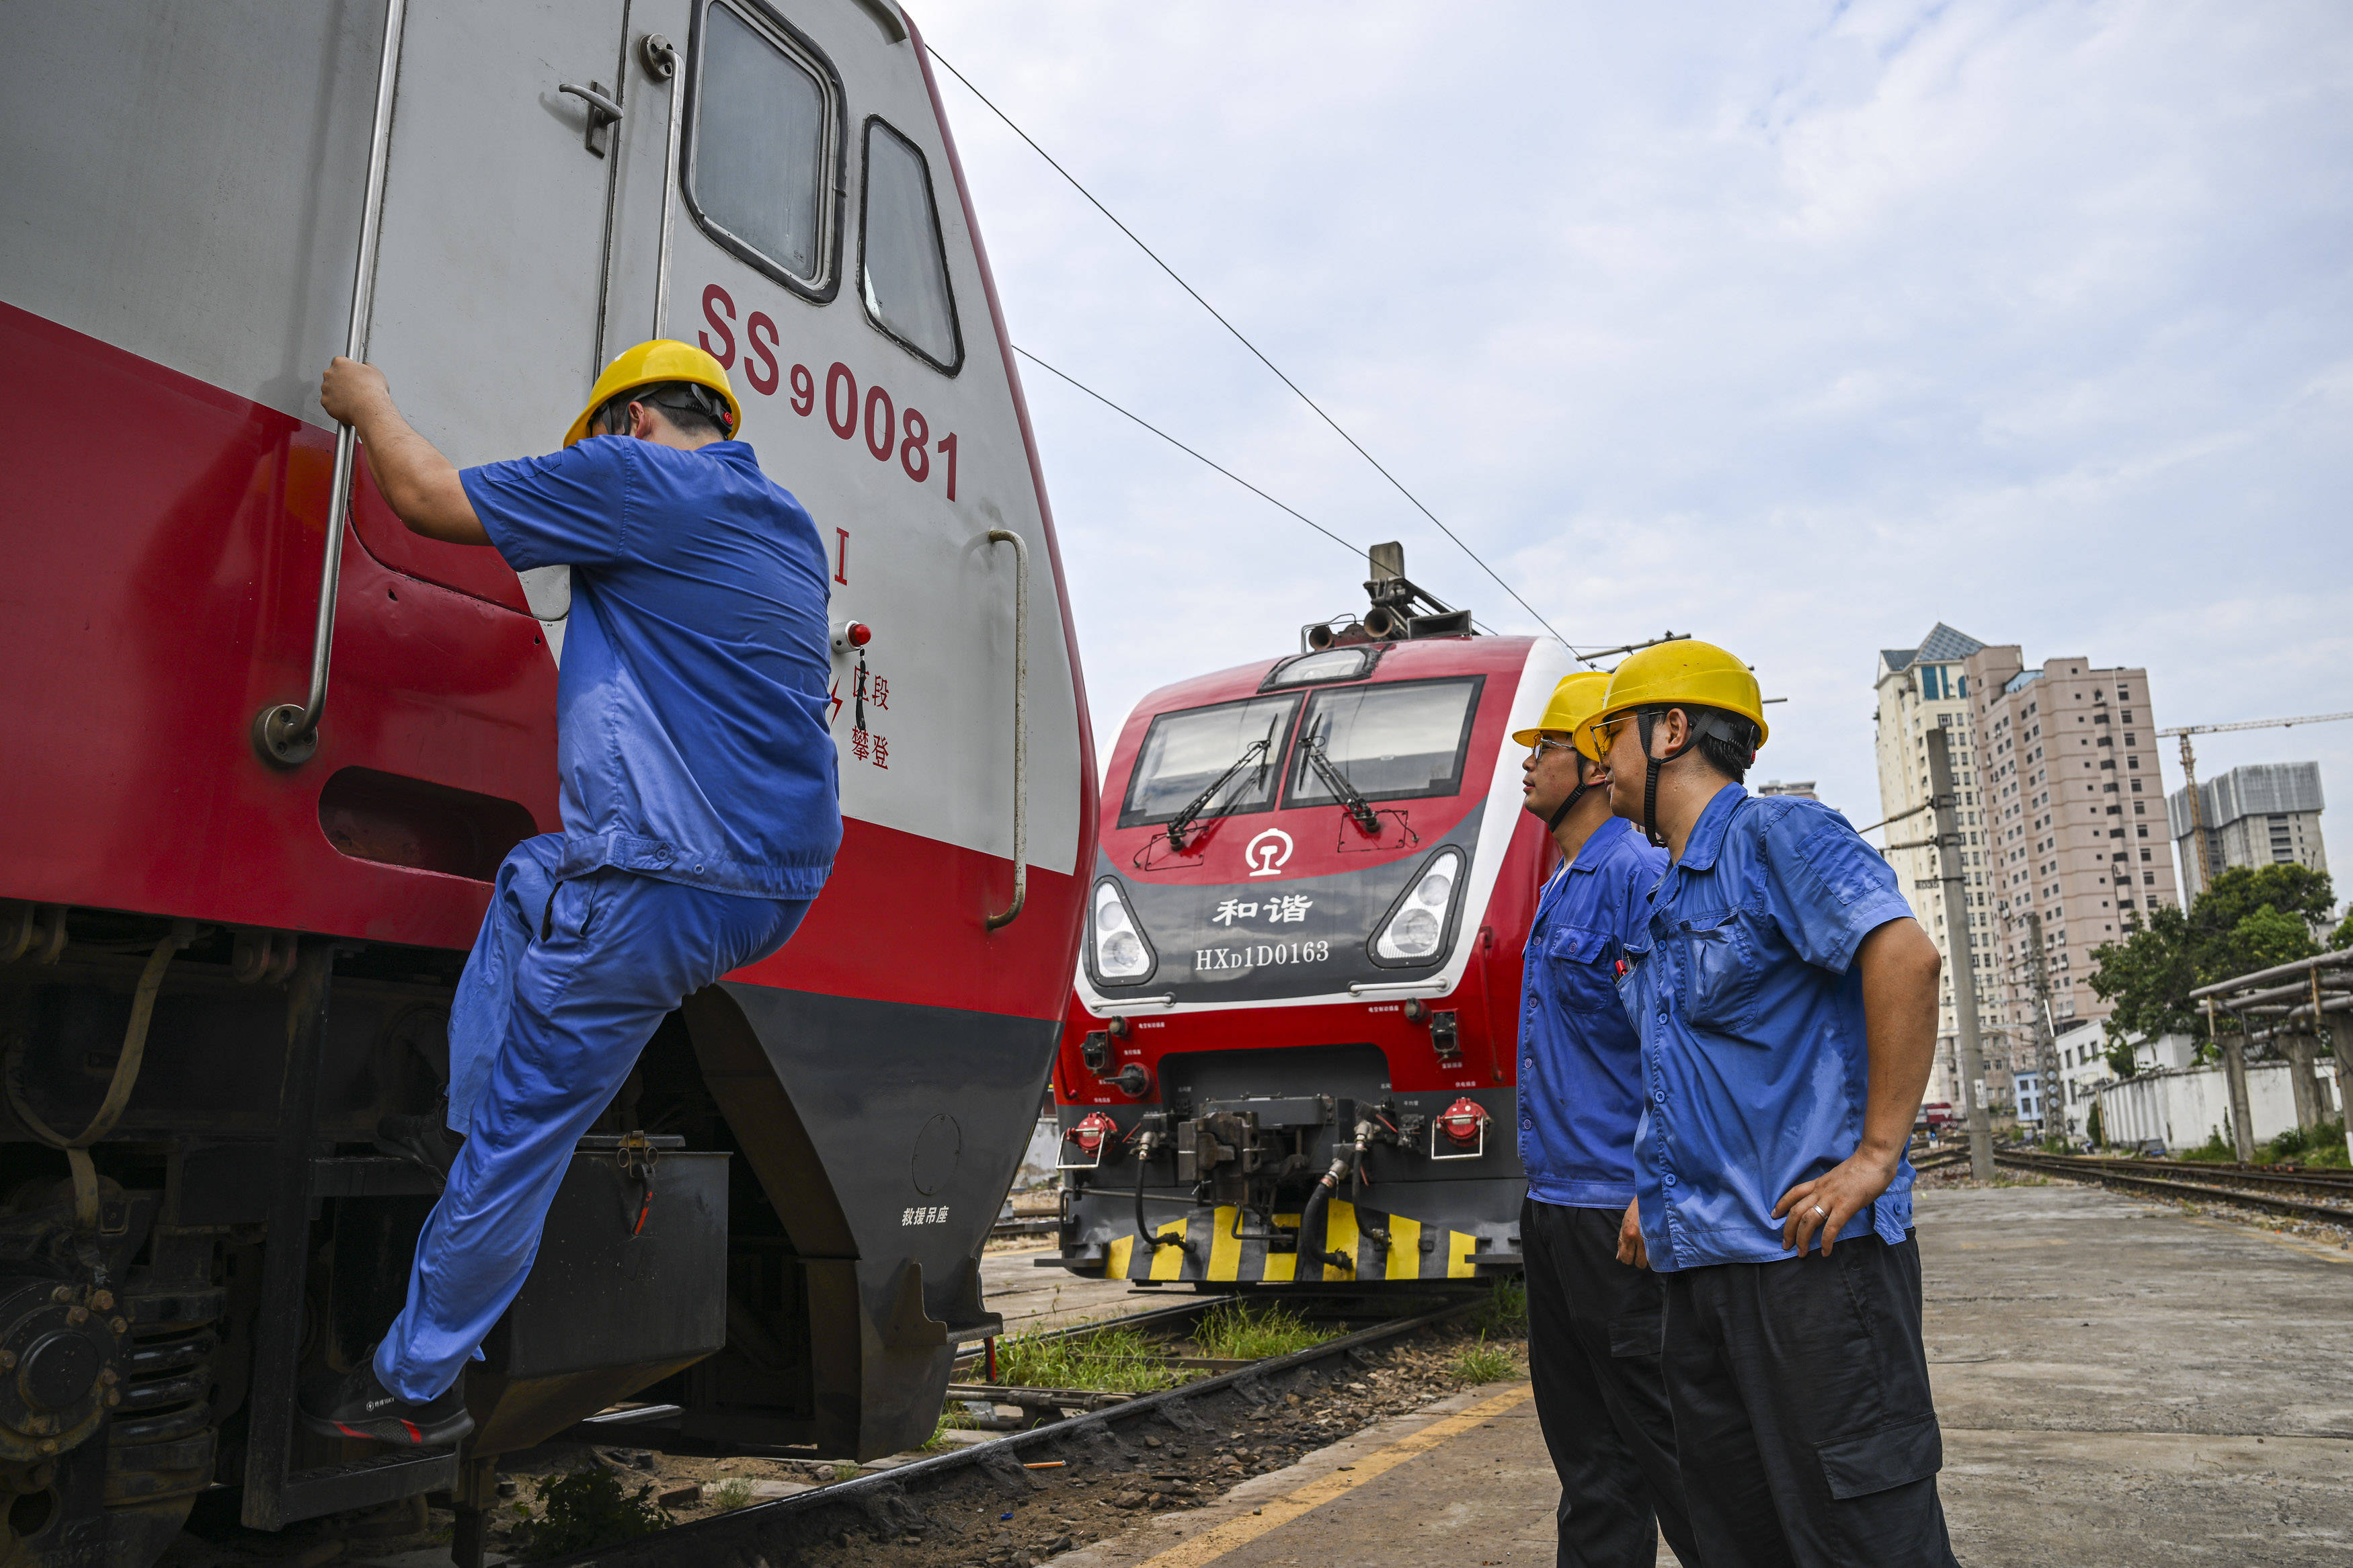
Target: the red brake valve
pixel 1462 1121
pixel 1090 1131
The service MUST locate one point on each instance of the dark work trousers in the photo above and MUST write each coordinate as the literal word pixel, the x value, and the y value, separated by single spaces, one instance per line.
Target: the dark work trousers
pixel 1593 1349
pixel 1802 1414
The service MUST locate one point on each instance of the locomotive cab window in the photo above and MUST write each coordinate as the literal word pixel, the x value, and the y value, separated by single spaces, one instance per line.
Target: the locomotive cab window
pixel 1389 741
pixel 763 148
pixel 903 269
pixel 1235 748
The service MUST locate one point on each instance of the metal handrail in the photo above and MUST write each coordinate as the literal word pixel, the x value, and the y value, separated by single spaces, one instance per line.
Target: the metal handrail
pixel 662 62
pixel 1021 723
pixel 283 733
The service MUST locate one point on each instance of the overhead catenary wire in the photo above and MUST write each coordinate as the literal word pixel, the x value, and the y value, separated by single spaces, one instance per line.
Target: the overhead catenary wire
pixel 1180 445
pixel 1256 351
pixel 1130 413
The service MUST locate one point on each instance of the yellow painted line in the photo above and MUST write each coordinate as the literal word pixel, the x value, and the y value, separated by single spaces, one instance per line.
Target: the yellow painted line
pixel 1168 1262
pixel 1281 1269
pixel 1218 1540
pixel 1225 1252
pixel 1115 1259
pixel 1340 1237
pixel 1458 1253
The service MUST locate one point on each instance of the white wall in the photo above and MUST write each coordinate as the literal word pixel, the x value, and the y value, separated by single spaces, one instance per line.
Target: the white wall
pixel 2185 1108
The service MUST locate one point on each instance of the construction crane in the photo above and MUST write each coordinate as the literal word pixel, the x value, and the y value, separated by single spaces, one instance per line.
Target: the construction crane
pixel 2190 773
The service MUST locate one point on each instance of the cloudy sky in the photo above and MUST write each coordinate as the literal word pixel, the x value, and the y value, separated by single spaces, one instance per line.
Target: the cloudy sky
pixel 1800 327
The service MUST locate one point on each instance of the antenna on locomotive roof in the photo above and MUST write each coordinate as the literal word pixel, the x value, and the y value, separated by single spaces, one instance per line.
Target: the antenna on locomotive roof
pixel 1401 609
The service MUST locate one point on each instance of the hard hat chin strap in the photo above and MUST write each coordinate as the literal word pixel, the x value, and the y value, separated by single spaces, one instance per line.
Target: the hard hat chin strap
pixel 1731 728
pixel 1560 813
pixel 1644 721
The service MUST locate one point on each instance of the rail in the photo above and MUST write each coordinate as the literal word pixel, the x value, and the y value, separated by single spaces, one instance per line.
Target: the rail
pixel 771 1532
pixel 2184 1180
pixel 1020 724
pixel 285 733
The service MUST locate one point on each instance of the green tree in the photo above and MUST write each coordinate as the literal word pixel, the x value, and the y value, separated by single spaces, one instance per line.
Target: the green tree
pixel 2251 918
pixel 2343 935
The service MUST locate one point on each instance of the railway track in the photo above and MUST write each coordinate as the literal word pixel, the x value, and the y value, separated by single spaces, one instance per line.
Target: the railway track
pixel 1109 1442
pixel 2259 1188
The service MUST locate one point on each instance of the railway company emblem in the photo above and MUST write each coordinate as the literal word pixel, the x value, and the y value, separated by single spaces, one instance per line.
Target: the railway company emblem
pixel 1268 853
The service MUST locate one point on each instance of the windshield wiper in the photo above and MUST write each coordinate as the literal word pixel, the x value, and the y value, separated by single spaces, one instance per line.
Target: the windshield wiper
pixel 1177 824
pixel 1349 794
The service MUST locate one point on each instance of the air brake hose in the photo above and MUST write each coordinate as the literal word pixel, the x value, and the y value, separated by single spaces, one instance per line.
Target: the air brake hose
pixel 1143 1154
pixel 1344 1161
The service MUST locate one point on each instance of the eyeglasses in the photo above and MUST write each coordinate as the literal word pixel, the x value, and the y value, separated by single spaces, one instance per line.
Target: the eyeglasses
pixel 1542 745
pixel 1605 732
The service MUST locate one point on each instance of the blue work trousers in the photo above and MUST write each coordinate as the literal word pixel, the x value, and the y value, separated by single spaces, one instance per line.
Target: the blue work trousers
pixel 565 984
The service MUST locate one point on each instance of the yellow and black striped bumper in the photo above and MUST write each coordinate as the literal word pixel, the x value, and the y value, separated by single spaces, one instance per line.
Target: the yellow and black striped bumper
pixel 1227 1259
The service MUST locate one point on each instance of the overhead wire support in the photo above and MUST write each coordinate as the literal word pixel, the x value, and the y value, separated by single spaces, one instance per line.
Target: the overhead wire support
pixel 1255 350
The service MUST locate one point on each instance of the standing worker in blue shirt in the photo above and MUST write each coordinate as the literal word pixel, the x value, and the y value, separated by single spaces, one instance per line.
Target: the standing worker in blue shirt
pixel 1593 1322
pixel 701 812
pixel 1786 1001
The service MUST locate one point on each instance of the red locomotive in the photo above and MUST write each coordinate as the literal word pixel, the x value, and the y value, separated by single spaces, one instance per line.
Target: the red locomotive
pixel 248 822
pixel 1290 1056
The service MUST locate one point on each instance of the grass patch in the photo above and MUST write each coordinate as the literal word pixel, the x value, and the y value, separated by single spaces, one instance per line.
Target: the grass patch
pixel 954 1418
pixel 586 1511
pixel 734 1492
pixel 1506 1309
pixel 1483 1362
pixel 2214 1149
pixel 844 1472
pixel 1116 1361
pixel 2324 1145
pixel 1235 1332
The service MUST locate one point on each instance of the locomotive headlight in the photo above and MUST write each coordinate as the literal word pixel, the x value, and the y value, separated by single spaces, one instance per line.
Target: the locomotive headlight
pixel 1121 955
pixel 1416 926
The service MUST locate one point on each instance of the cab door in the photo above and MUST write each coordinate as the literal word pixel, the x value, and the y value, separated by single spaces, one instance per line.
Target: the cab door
pixel 491 275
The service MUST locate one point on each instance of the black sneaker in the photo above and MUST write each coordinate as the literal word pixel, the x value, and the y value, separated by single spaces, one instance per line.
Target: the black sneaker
pixel 424 1140
pixel 357 1405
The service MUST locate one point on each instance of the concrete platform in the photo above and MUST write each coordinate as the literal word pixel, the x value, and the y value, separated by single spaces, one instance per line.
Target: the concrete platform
pixel 2118 1382
pixel 1030 1298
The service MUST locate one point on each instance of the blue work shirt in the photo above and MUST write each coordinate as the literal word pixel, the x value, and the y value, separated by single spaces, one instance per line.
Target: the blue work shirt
pixel 691 728
pixel 1743 985
pixel 1580 1061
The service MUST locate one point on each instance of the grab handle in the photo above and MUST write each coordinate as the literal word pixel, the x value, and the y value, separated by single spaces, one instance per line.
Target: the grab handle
pixel 1021 723
pixel 285 733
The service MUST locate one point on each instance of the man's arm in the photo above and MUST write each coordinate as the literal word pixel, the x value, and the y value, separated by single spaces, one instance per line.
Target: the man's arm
pixel 1900 965
pixel 417 481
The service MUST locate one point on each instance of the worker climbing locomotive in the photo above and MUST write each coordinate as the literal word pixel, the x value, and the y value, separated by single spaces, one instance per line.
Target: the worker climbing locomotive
pixel 271 746
pixel 1290 1054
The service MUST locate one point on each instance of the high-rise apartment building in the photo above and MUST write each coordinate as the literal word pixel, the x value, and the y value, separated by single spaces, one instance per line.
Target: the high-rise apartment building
pixel 2076 829
pixel 2260 814
pixel 1921 688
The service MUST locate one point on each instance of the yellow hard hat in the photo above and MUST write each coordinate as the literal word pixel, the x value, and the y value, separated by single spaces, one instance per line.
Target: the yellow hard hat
pixel 1685 674
pixel 658 360
pixel 1575 702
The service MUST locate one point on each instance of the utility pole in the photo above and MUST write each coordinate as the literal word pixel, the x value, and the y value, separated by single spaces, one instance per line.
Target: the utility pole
pixel 2046 1042
pixel 1958 938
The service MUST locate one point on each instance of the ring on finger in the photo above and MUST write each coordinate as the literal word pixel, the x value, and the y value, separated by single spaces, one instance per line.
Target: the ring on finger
pixel 1821 1212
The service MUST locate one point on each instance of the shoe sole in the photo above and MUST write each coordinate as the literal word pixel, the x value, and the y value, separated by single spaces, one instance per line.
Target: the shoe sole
pixel 394 1430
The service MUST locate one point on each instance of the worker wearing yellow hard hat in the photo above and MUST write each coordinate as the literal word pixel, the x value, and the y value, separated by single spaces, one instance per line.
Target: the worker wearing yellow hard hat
pixel 667 374
pixel 701 816
pixel 1717 694
pixel 1603 1410
pixel 1787 1003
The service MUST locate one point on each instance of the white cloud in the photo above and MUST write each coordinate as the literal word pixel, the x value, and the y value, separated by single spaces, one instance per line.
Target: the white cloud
pixel 1800 329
